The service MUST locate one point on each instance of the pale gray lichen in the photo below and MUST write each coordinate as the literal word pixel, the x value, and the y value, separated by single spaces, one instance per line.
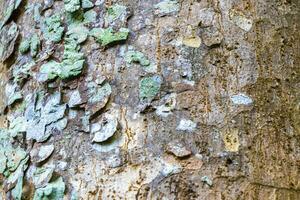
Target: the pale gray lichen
pixel 186 125
pixel 149 87
pixel 42 175
pixel 17 125
pixel 77 32
pixel 239 19
pixel 108 36
pixel 98 96
pixel 132 56
pixel 166 7
pixel 12 93
pixel 85 4
pixel 21 72
pixel 241 99
pixel 52 28
pixel 178 149
pixel 105 130
pixel 167 107
pixel 39 117
pixel 9 6
pixel 53 190
pixel 116 12
pixel 41 153
pixel 8 36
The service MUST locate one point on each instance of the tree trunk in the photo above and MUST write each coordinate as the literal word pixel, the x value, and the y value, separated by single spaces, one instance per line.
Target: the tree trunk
pixel 161 99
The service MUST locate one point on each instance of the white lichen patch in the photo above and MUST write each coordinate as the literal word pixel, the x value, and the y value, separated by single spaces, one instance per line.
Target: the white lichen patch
pixel 241 99
pixel 166 7
pixel 186 125
pixel 239 19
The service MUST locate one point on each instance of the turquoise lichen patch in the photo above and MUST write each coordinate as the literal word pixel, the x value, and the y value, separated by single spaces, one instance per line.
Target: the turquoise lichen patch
pixel 52 28
pixel 53 190
pixel 77 32
pixel 90 16
pixel 87 4
pixel 115 12
pixel 72 5
pixel 136 57
pixel 167 7
pixel 108 36
pixel 149 87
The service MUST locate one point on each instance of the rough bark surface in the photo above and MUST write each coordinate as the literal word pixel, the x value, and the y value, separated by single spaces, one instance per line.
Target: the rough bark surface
pixel 159 99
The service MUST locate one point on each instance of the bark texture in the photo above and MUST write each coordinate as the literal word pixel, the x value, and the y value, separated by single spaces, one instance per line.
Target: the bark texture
pixel 160 99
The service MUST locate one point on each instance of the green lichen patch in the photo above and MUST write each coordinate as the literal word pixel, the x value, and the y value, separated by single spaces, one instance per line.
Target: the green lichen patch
pixel 136 57
pixel 24 46
pixel 115 12
pixel 108 36
pixel 166 7
pixel 149 87
pixel 17 125
pixel 52 28
pixel 72 5
pixel 53 190
pixel 50 69
pixel 72 64
pixel 32 44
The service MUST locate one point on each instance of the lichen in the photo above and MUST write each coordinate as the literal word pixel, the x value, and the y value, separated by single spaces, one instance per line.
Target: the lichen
pixel 136 56
pixel 90 16
pixel 115 12
pixel 108 36
pixel 77 32
pixel 87 4
pixel 34 45
pixel 24 46
pixel 239 19
pixel 72 5
pixel 8 36
pixel 149 87
pixel 166 7
pixel 241 99
pixel 52 28
pixel 71 65
pixel 9 6
pixel 186 125
pixel 53 190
